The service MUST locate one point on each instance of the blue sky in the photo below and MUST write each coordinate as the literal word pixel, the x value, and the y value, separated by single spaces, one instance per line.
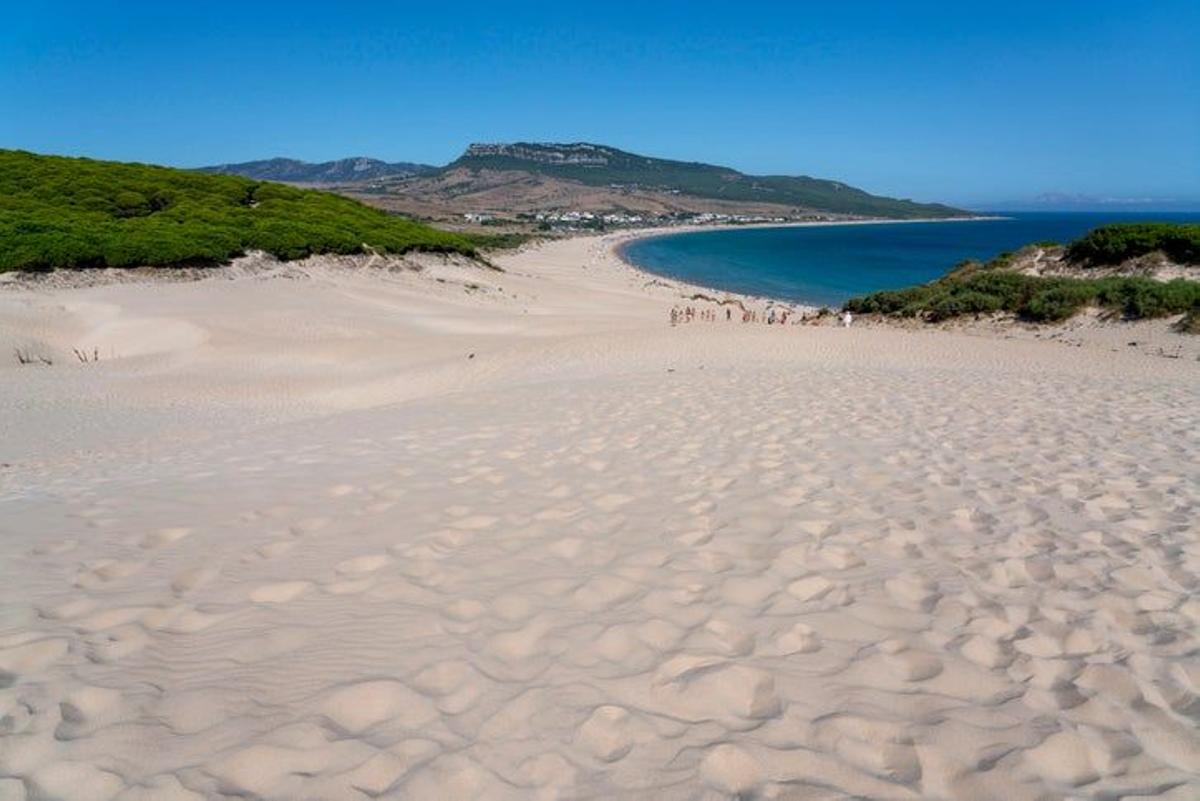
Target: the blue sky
pixel 963 102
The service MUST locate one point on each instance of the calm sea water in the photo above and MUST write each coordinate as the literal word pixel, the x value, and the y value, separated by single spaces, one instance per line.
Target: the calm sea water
pixel 828 265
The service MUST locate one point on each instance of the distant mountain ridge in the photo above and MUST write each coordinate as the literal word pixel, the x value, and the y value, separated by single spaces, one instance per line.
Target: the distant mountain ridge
pixel 523 177
pixel 1066 201
pixel 600 165
pixel 348 170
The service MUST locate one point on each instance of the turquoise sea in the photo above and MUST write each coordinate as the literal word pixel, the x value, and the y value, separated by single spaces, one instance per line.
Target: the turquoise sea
pixel 827 265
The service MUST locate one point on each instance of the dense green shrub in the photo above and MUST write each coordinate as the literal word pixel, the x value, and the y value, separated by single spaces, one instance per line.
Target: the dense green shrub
pixel 1035 298
pixel 1142 297
pixel 67 212
pixel 1058 300
pixel 1113 244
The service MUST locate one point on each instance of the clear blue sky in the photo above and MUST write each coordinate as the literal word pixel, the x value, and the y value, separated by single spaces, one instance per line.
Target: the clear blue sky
pixel 965 102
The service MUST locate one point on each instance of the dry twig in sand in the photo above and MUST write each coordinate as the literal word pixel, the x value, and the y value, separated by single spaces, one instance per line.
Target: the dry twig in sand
pixel 25 357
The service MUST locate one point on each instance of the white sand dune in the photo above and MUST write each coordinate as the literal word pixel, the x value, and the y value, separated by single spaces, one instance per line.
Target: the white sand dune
pixel 288 539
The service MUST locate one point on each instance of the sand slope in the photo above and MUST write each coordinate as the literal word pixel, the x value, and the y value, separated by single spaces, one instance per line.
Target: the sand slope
pixel 602 559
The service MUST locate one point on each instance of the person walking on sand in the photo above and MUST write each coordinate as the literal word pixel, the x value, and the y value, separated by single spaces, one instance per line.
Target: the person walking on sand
pixel 846 319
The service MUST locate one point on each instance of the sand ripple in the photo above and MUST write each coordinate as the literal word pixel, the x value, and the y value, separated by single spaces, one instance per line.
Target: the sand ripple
pixel 846 582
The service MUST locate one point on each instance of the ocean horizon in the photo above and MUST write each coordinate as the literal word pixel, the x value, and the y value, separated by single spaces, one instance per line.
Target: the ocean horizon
pixel 826 265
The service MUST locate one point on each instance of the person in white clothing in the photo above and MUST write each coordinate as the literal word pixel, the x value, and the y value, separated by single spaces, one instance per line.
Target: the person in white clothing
pixel 846 319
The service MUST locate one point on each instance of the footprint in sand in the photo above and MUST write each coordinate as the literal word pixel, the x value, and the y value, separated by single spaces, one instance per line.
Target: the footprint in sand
pixel 1063 758
pixel 909 664
pixel 357 707
pixel 78 781
pixel 749 591
pixel 88 709
pixel 193 578
pixel 567 548
pixel 55 548
pixel 810 588
pixel 464 610
pixel 703 686
pixel 605 591
pixel 165 787
pixel 474 522
pixel 726 638
pixel 103 619
pixel 361 565
pixel 279 593
pixel 455 684
pixel 513 607
pixel 840 557
pixel 799 639
pixel 29 657
pixel 272 550
pixel 182 619
pixel 612 501
pixel 732 770
pixel 525 642
pixel 988 652
pixel 106 571
pixel 695 537
pixel 117 643
pixel 660 635
pixel 309 525
pixel 68 610
pixel 605 735
pixel 164 537
pixel 881 748
pixel 913 591
pixel 620 645
pixel 549 770
pixel 378 774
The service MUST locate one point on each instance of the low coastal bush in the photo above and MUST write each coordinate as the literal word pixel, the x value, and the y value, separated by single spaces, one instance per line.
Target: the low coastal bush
pixel 1033 298
pixel 1113 244
pixel 79 213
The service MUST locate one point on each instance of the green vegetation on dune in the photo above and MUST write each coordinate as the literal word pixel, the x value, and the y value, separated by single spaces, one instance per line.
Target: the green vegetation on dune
pixel 1113 244
pixel 1031 297
pixel 975 288
pixel 70 212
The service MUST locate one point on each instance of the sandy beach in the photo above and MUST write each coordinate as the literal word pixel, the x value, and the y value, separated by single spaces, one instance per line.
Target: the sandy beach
pixel 349 529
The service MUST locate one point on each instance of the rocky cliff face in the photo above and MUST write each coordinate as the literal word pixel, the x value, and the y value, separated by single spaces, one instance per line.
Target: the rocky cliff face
pixel 581 153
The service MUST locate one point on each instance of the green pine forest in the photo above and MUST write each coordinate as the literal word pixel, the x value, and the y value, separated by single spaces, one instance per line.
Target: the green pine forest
pixel 58 212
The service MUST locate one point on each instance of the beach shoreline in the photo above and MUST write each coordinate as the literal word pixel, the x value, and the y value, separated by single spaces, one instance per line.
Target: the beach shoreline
pixel 637 235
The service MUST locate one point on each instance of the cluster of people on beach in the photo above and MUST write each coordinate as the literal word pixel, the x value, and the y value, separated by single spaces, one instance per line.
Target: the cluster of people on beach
pixel 773 316
pixel 687 314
